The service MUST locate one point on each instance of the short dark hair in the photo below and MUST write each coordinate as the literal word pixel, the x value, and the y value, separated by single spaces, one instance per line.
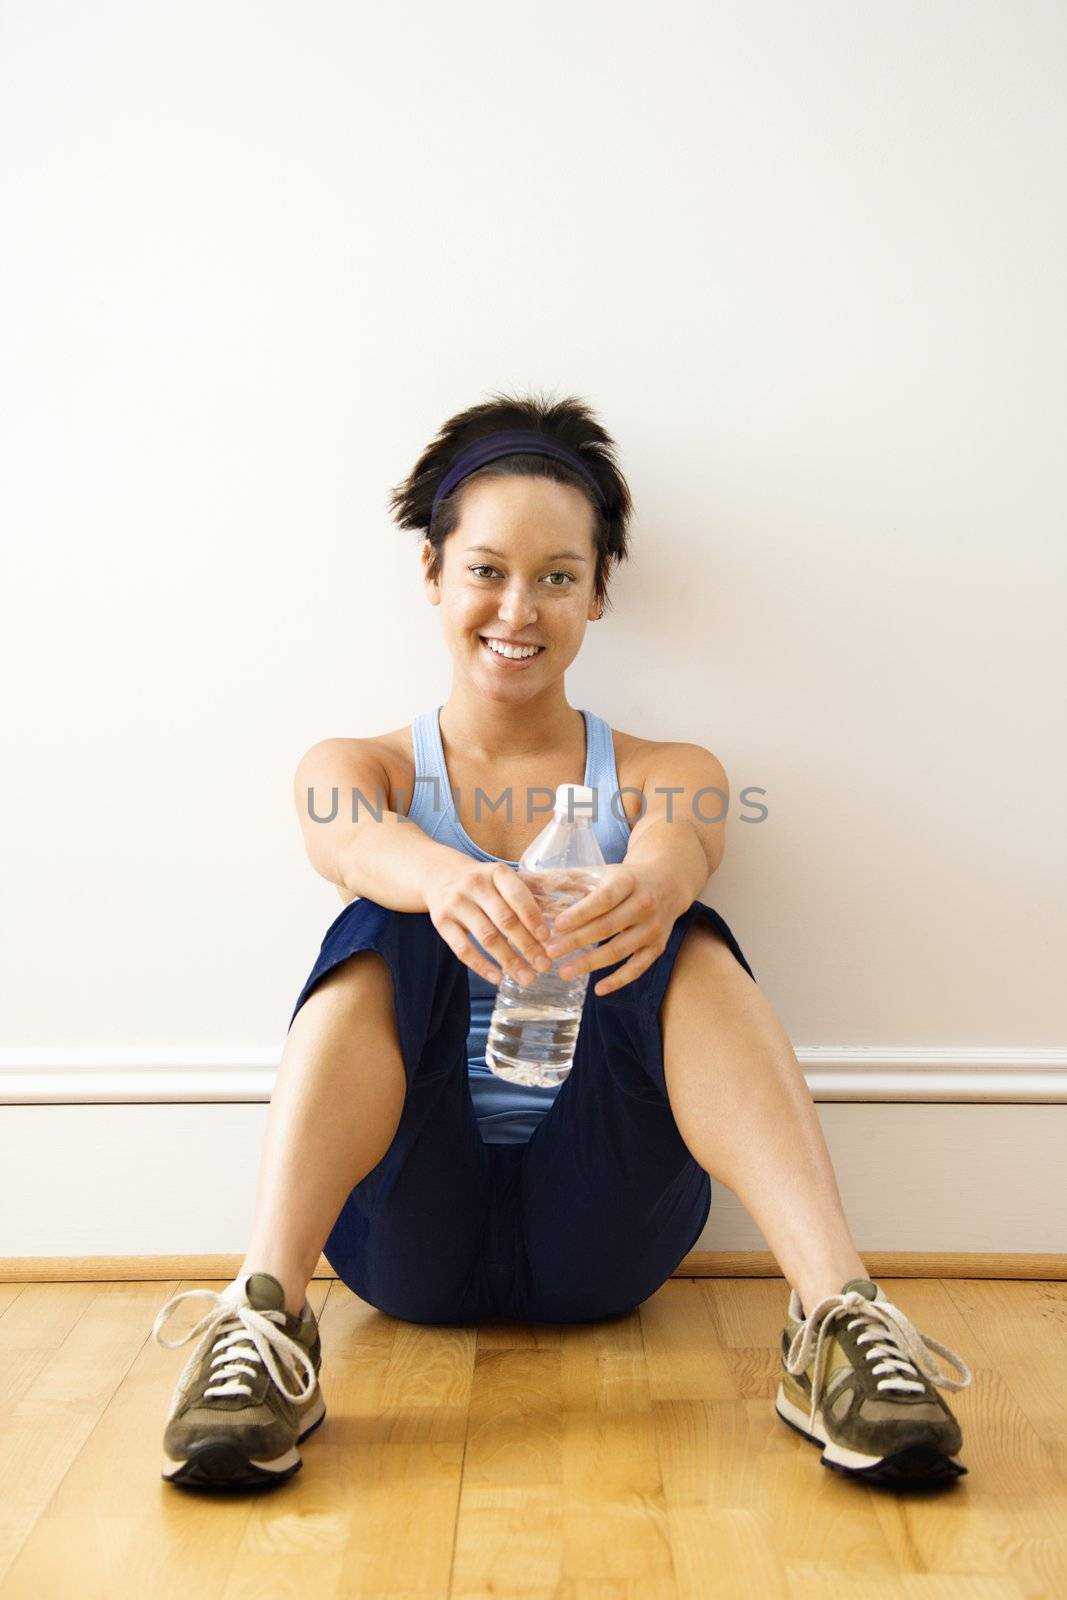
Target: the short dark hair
pixel 569 421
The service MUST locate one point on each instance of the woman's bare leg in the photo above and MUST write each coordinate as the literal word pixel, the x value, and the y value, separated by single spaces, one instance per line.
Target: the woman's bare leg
pixel 742 1105
pixel 334 1111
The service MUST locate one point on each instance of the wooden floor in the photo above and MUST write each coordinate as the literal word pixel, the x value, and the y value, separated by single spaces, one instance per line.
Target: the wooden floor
pixel 635 1458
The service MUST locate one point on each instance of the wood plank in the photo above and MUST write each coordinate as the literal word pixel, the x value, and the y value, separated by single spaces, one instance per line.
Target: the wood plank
pixel 635 1457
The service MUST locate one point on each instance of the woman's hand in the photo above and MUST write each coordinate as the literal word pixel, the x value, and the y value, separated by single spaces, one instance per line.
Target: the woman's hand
pixel 634 904
pixel 490 901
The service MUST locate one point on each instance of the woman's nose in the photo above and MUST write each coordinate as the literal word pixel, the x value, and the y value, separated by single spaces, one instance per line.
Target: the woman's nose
pixel 517 609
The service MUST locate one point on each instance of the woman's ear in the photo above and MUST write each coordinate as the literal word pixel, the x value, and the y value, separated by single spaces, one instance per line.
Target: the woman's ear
pixel 432 585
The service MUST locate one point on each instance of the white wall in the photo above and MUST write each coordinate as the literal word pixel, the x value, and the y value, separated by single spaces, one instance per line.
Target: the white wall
pixel 806 262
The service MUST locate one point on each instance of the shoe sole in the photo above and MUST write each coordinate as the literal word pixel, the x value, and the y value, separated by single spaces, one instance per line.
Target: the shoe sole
pixel 916 1466
pixel 219 1465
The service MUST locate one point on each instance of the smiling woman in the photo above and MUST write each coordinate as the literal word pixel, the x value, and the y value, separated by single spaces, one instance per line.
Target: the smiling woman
pixel 438 1191
pixel 523 515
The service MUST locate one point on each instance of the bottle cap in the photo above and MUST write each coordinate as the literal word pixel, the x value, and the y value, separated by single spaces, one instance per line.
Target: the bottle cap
pixel 575 800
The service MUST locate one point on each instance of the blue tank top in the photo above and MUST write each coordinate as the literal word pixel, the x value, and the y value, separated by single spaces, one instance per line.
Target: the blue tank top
pixel 507 1113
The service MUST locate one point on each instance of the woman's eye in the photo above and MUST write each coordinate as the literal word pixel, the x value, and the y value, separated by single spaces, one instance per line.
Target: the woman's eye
pixel 559 574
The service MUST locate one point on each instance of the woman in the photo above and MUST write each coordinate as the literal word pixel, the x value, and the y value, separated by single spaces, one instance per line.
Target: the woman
pixel 441 1193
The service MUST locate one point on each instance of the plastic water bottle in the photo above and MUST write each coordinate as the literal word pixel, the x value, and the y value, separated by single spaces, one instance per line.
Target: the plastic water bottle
pixel 533 1030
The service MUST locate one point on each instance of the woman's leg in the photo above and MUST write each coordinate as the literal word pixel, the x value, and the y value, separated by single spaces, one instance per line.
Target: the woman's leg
pixel 373 1155
pixel 334 1111
pixel 681 1076
pixel 744 1109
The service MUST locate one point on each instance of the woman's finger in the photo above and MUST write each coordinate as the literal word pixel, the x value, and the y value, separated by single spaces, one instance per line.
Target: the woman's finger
pixel 496 943
pixel 639 962
pixel 617 920
pixel 605 955
pixel 603 920
pixel 613 891
pixel 528 891
pixel 457 938
pixel 519 916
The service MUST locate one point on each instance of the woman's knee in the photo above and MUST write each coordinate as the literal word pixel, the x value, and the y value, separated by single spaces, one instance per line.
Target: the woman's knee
pixel 361 977
pixel 702 945
pixel 356 993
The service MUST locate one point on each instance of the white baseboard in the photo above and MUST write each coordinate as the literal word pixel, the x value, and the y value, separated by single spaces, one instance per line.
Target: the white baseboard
pixel 969 1075
pixel 933 1151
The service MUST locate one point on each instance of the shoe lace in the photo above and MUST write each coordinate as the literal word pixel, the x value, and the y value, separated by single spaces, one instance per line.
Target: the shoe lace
pixel 896 1347
pixel 239 1337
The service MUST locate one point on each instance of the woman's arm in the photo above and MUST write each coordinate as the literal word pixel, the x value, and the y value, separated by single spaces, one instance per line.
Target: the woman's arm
pixel 673 850
pixel 682 829
pixel 379 855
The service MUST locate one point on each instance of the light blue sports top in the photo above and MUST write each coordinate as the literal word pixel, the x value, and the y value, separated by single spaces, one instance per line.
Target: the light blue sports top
pixel 507 1113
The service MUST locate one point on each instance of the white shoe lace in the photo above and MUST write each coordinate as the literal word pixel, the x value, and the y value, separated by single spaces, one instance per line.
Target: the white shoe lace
pixel 898 1346
pixel 241 1337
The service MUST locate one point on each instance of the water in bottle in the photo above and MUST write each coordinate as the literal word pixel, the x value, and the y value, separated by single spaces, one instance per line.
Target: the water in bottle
pixel 533 1030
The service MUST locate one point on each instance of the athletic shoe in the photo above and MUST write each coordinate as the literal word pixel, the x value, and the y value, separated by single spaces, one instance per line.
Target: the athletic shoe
pixel 234 1422
pixel 858 1381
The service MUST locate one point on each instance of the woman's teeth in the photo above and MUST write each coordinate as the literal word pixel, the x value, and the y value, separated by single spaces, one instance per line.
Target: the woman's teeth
pixel 513 652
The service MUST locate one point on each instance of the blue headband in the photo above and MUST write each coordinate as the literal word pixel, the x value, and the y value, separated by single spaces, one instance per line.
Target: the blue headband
pixel 511 442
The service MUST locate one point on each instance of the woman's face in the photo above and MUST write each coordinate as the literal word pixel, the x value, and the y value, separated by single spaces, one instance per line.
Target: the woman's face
pixel 519 569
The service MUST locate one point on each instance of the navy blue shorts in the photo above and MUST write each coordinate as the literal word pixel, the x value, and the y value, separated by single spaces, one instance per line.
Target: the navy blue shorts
pixel 583 1221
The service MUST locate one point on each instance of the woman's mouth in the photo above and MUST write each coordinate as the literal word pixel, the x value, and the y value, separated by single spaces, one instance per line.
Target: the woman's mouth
pixel 517 655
